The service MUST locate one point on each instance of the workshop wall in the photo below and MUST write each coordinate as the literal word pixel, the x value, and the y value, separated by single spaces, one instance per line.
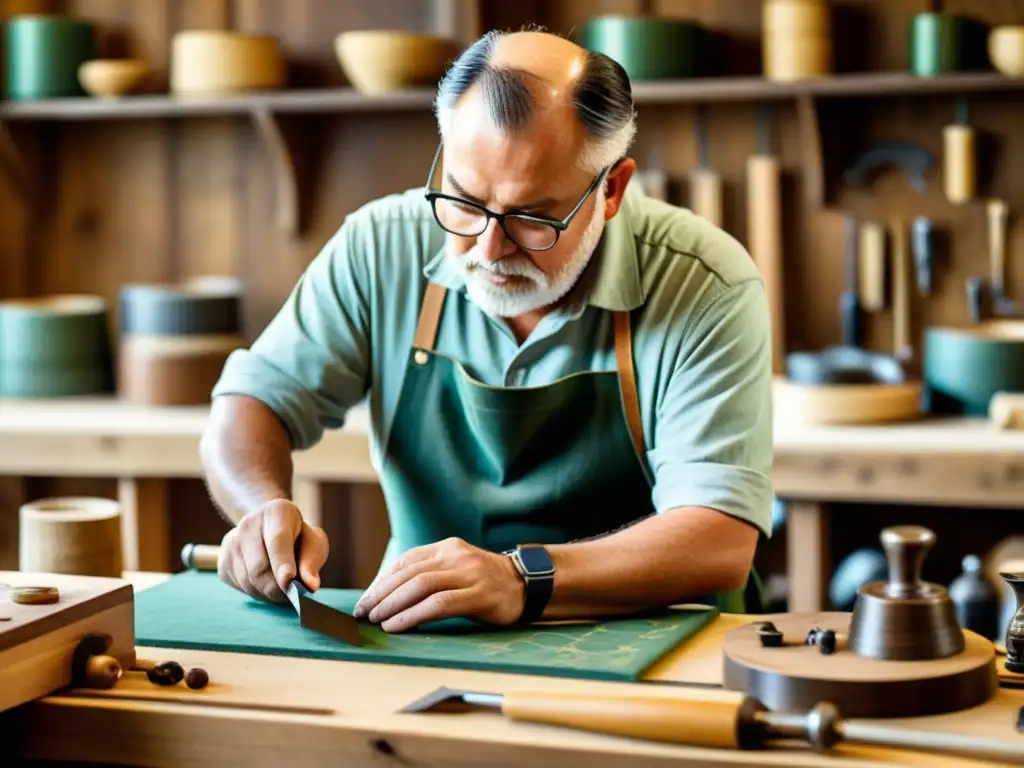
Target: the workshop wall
pixel 153 200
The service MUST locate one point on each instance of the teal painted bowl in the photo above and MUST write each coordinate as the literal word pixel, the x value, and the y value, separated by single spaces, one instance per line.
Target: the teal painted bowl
pixel 647 48
pixel 964 367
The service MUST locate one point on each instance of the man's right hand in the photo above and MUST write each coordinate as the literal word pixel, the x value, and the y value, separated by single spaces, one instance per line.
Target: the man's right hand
pixel 258 555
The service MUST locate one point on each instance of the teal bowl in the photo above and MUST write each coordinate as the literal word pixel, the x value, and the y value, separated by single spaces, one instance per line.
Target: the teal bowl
pixel 647 48
pixel 964 367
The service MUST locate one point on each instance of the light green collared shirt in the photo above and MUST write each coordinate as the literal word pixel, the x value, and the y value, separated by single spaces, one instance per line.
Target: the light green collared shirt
pixel 702 341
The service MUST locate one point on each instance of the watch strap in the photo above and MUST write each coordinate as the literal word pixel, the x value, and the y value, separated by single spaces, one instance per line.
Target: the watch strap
pixel 539 587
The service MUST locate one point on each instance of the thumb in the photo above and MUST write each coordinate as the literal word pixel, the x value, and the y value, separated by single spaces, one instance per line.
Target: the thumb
pixel 313 551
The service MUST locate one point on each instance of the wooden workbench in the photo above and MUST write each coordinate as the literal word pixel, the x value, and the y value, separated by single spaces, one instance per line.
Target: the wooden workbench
pixel 939 462
pixel 271 711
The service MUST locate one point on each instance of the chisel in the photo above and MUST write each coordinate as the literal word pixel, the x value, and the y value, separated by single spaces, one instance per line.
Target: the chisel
pixel 733 722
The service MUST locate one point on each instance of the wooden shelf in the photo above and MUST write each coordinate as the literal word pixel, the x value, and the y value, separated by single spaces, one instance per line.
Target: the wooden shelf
pixel 263 110
pixel 348 100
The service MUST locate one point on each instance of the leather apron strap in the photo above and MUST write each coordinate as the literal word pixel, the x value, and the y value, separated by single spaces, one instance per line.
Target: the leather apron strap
pixel 627 381
pixel 430 316
pixel 426 336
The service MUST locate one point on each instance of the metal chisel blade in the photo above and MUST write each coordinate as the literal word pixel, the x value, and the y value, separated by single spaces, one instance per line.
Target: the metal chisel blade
pixel 322 618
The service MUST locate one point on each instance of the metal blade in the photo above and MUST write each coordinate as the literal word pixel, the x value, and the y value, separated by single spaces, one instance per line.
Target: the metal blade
pixel 453 700
pixel 322 618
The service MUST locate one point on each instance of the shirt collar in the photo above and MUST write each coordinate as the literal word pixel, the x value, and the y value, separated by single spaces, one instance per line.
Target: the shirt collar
pixel 612 277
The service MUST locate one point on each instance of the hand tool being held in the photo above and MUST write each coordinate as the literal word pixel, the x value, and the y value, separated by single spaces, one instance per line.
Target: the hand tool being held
pixel 734 722
pixel 705 182
pixel 764 229
pixel 313 614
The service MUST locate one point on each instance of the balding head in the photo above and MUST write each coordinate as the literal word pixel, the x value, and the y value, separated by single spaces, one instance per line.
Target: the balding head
pixel 530 77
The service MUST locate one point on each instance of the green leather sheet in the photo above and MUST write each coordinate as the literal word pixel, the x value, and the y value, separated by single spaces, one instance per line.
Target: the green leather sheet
pixel 195 610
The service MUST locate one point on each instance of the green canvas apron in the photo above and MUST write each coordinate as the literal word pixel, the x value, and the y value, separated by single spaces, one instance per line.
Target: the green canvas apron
pixel 499 466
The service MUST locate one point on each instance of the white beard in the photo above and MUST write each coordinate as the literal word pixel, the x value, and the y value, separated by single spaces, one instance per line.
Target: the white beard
pixel 509 301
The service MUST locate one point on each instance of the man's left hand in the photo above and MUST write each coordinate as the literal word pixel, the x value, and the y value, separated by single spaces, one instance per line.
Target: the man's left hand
pixel 448 579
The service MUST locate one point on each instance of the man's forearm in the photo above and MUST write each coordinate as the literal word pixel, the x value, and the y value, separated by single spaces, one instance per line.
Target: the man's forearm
pixel 246 455
pixel 673 557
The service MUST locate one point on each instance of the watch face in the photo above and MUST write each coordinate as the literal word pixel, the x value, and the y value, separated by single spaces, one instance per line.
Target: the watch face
pixel 536 560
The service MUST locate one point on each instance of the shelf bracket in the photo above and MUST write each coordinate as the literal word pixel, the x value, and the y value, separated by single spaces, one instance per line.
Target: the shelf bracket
pixel 810 140
pixel 283 163
pixel 12 163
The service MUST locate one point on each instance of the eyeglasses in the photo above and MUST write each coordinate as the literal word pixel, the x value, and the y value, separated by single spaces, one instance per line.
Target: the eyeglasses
pixel 468 219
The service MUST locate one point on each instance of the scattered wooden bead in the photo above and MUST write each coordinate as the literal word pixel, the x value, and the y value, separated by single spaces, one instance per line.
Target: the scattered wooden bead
pixel 174 669
pixel 102 671
pixel 197 678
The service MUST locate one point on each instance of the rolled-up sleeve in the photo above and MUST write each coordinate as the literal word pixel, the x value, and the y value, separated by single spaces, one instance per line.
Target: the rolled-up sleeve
pixel 311 363
pixel 713 435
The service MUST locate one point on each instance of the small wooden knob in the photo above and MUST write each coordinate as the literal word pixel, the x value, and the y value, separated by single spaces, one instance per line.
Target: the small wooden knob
pixel 102 671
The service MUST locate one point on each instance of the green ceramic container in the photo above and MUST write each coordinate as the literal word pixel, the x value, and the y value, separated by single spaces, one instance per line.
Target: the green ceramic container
pixel 941 43
pixel 647 48
pixel 42 55
pixel 965 367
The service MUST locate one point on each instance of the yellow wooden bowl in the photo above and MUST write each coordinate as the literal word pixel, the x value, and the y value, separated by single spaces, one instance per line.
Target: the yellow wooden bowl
pixel 113 77
pixel 384 61
pixel 1006 50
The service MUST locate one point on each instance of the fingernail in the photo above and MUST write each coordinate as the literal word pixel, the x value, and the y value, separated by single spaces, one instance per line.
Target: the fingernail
pixel 358 611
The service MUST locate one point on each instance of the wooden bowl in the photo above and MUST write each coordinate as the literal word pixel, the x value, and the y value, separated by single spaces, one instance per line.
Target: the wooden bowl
pixel 1006 50
pixel 109 78
pixel 385 61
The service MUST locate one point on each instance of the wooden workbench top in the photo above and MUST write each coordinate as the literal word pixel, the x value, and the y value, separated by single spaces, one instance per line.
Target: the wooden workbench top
pixel 267 711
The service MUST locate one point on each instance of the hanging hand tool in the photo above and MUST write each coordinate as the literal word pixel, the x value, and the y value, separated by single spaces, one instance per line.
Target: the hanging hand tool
pixel 733 722
pixel 849 301
pixel 922 236
pixel 872 266
pixel 764 228
pixel 915 161
pixel 705 182
pixel 901 282
pixel 958 150
pixel 997 212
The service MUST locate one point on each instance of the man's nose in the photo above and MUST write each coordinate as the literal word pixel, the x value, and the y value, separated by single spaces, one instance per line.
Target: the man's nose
pixel 494 245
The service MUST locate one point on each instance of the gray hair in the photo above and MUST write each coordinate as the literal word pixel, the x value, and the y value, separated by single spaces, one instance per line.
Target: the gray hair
pixel 603 99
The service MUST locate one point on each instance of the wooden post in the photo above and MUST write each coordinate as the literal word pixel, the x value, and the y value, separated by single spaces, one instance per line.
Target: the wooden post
pixel 807 555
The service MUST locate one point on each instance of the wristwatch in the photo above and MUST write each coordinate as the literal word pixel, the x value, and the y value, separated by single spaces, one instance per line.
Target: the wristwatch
pixel 538 571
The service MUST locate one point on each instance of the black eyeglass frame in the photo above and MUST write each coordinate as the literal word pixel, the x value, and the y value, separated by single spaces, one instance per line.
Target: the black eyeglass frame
pixel 559 226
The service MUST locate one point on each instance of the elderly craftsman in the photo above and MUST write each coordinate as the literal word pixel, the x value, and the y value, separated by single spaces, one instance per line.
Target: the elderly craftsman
pixel 569 382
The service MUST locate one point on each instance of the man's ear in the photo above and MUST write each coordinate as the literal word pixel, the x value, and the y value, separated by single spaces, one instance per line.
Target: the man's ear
pixel 615 185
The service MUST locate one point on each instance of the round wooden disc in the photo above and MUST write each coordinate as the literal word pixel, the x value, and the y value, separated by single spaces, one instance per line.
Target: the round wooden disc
pixel 797 676
pixel 35 595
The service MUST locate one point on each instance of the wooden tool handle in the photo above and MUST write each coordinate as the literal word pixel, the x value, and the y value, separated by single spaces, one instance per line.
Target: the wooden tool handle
pixel 706 195
pixel 872 266
pixel 200 557
pixel 997 211
pixel 764 205
pixel 697 723
pixel 902 347
pixel 958 163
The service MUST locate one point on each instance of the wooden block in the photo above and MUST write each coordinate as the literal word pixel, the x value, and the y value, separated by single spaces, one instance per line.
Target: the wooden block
pixel 37 642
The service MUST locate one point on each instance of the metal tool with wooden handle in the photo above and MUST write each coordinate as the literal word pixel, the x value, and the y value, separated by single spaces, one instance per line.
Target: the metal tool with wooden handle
pixel 200 557
pixel 901 291
pixel 730 722
pixel 997 213
pixel 764 230
pixel 872 266
pixel 705 182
